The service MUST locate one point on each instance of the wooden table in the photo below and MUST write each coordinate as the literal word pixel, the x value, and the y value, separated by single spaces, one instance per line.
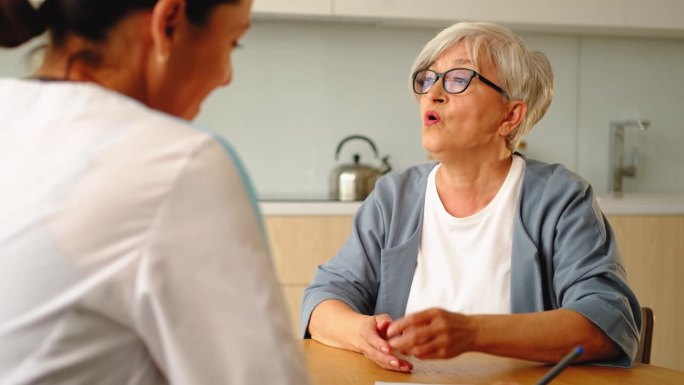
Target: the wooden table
pixel 331 366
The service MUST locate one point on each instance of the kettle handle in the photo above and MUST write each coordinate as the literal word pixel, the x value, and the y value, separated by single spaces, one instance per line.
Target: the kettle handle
pixel 345 140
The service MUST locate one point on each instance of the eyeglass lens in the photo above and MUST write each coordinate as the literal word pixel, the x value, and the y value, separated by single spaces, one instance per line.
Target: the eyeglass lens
pixel 455 80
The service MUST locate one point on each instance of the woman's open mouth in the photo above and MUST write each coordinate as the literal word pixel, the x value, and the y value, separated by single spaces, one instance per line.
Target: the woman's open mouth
pixel 431 118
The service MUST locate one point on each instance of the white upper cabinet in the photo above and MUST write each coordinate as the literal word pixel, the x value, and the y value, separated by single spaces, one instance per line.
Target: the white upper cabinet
pixel 633 17
pixel 656 14
pixel 541 13
pixel 293 7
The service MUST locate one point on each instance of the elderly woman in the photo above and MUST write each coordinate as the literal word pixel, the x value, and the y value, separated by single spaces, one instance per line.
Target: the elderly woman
pixel 485 250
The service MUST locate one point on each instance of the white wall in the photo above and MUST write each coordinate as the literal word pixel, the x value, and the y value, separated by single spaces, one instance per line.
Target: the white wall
pixel 633 79
pixel 300 87
pixel 16 62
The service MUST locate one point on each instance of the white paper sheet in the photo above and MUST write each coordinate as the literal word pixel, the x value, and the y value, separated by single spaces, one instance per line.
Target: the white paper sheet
pixel 405 383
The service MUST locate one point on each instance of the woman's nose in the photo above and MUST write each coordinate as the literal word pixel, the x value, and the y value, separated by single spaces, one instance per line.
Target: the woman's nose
pixel 227 75
pixel 436 92
pixel 227 78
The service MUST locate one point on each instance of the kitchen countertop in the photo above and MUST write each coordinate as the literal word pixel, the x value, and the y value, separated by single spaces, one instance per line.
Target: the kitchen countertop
pixel 305 207
pixel 642 204
pixel 629 204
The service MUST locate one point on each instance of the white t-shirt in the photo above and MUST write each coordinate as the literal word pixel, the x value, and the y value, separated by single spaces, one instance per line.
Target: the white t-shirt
pixel 130 249
pixel 464 264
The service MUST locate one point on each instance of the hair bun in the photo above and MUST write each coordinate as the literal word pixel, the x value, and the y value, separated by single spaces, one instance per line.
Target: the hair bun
pixel 19 22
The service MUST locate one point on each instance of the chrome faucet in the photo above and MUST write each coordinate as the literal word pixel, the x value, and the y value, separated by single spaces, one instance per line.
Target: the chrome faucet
pixel 617 152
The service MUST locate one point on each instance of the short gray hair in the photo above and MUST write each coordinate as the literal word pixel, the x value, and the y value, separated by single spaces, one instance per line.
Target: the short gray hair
pixel 524 74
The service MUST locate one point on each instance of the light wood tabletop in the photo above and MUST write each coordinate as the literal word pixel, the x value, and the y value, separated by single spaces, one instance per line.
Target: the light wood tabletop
pixel 331 366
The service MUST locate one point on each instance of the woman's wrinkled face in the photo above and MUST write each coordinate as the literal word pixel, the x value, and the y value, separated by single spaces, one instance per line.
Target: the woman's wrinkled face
pixel 204 63
pixel 468 121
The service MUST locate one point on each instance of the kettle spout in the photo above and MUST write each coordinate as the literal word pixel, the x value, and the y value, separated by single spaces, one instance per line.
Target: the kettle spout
pixel 386 167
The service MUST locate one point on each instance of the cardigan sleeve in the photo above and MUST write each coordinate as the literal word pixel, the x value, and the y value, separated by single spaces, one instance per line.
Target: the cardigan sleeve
pixel 353 275
pixel 587 274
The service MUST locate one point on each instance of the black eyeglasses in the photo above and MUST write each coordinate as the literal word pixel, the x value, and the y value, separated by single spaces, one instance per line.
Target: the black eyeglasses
pixel 454 81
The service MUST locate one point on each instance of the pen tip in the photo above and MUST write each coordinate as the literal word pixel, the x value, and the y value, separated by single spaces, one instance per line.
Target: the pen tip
pixel 580 350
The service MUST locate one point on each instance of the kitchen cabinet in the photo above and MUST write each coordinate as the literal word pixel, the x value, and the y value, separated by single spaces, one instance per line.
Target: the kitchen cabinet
pixel 652 248
pixel 298 245
pixel 606 17
pixel 605 13
pixel 292 7
pixel 655 14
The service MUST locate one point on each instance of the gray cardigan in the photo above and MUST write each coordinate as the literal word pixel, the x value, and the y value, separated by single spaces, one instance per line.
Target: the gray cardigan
pixel 563 256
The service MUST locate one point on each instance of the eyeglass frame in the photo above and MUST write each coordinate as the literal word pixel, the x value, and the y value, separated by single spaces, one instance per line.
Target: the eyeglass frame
pixel 475 74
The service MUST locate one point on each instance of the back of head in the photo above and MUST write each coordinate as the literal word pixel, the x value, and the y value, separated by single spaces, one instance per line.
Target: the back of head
pixel 125 45
pixel 22 20
pixel 19 22
pixel 524 74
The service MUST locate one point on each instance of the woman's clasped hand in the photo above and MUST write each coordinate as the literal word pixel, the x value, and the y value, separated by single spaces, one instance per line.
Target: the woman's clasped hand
pixel 433 333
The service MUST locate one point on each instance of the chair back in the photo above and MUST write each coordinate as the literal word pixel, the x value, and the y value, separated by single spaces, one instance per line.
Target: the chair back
pixel 645 336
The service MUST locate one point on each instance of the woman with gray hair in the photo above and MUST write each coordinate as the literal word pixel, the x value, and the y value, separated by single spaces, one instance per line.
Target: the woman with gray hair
pixel 484 250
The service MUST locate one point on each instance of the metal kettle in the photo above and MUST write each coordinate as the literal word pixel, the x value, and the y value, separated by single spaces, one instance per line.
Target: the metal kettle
pixel 354 181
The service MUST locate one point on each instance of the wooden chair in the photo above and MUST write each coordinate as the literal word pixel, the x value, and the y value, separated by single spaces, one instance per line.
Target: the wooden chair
pixel 645 336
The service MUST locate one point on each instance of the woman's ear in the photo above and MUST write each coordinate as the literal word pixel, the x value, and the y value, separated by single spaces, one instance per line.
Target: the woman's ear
pixel 167 17
pixel 516 112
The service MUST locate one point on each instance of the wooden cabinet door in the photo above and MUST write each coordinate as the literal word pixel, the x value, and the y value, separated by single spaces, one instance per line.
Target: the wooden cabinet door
pixel 298 245
pixel 652 248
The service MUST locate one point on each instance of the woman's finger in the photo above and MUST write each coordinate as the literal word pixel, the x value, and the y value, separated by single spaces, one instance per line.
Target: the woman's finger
pixel 412 336
pixel 389 361
pixel 427 349
pixel 382 322
pixel 399 326
pixel 373 339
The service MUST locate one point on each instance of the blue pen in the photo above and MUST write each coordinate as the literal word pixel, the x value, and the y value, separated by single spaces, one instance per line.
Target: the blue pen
pixel 561 365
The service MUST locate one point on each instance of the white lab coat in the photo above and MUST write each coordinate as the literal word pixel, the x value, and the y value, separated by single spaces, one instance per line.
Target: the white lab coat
pixel 131 251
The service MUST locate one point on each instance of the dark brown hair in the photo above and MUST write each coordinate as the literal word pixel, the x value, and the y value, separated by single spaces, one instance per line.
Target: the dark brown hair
pixel 90 19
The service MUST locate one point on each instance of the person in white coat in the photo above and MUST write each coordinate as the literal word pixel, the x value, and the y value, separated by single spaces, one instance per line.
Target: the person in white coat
pixel 131 246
